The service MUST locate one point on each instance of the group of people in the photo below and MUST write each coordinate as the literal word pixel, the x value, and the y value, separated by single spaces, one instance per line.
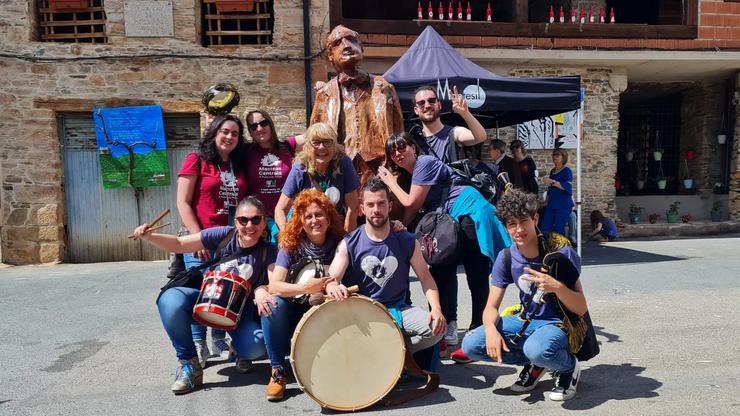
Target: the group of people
pixel 267 203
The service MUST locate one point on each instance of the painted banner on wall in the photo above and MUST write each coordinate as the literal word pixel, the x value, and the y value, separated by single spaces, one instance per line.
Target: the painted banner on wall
pixel 131 146
pixel 558 131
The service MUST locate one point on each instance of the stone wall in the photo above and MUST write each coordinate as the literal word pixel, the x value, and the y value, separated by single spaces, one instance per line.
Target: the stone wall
pixel 734 185
pixel 599 145
pixel 33 92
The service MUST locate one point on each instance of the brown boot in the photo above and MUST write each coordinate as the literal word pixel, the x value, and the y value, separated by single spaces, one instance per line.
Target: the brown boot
pixel 276 387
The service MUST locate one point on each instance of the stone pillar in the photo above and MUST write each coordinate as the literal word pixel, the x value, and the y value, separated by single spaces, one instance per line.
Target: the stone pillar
pixel 734 181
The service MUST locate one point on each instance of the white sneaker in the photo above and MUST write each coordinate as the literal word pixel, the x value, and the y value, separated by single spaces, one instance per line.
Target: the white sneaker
pixel 566 384
pixel 220 348
pixel 201 348
pixel 451 334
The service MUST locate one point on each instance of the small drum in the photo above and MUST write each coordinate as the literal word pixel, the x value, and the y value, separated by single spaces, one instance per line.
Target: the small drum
pixel 306 268
pixel 347 355
pixel 222 298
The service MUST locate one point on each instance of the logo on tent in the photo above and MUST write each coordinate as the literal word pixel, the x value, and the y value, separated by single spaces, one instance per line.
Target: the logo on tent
pixel 474 95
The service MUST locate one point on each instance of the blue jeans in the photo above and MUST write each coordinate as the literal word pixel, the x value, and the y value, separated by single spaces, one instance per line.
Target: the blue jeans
pixel 176 312
pixel 544 344
pixel 278 329
pixel 198 330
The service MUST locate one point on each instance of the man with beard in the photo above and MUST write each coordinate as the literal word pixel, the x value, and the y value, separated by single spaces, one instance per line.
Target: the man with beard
pixel 362 108
pixel 440 140
pixel 377 260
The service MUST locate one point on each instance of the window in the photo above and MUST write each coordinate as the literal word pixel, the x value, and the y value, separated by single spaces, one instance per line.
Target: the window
pixel 76 21
pixel 223 25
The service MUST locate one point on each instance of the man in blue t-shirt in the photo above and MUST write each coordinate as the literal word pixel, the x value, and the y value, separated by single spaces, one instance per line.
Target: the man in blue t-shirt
pixel 543 344
pixel 378 261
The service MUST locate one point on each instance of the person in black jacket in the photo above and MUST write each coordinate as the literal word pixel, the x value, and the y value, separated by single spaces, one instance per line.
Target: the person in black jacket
pixel 505 163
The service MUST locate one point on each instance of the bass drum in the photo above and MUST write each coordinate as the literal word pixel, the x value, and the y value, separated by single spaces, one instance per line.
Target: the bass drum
pixel 347 355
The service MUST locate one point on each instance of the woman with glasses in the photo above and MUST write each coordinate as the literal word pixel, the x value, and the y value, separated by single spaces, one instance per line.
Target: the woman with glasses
pixel 268 163
pixel 313 231
pixel 321 165
pixel 255 259
pixel 481 236
pixel 210 184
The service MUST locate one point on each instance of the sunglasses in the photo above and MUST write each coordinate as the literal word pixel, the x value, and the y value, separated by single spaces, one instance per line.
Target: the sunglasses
pixel 422 103
pixel 256 220
pixel 400 147
pixel 262 123
pixel 318 143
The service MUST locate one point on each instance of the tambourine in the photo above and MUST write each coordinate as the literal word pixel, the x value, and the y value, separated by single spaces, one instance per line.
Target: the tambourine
pixel 220 98
pixel 306 268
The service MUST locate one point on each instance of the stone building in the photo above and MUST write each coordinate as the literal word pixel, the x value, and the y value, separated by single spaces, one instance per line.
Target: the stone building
pixel 665 65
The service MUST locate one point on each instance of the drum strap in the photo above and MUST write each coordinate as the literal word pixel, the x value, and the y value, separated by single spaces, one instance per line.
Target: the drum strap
pixel 413 369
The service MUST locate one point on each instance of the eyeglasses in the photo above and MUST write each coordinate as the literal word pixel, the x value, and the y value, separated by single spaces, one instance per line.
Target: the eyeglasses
pixel 318 143
pixel 422 103
pixel 227 133
pixel 400 147
pixel 256 220
pixel 261 123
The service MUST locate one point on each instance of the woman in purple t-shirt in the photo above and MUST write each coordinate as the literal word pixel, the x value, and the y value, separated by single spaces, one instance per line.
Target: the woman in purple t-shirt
pixel 268 161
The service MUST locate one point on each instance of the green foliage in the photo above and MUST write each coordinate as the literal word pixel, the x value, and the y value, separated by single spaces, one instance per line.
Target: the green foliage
pixel 635 209
pixel 151 169
pixel 673 208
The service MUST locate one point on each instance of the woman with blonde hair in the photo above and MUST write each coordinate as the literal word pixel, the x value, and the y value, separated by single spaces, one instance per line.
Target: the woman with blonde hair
pixel 321 165
pixel 559 194
pixel 313 232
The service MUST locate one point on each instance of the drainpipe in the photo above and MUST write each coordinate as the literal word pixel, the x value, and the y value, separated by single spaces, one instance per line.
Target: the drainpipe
pixel 307 59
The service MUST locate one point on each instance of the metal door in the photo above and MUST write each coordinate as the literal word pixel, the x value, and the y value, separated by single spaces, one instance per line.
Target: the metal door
pixel 98 220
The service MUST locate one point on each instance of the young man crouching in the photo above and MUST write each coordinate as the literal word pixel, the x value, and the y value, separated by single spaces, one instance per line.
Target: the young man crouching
pixel 542 344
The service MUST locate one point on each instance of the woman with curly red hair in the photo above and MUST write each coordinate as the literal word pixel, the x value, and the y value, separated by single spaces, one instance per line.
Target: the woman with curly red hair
pixel 313 231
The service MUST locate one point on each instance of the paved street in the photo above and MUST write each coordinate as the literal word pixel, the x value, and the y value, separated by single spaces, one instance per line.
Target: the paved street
pixel 85 339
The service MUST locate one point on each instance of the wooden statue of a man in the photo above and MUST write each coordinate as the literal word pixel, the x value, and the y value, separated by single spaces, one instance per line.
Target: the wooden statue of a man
pixel 363 108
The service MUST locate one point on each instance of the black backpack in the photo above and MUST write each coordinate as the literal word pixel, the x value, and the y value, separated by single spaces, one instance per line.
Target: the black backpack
pixel 437 233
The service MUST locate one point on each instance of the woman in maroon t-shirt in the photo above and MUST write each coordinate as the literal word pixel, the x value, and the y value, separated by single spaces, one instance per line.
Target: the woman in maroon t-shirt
pixel 210 184
pixel 268 162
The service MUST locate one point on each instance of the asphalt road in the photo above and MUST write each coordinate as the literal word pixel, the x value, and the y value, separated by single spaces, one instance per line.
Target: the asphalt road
pixel 85 339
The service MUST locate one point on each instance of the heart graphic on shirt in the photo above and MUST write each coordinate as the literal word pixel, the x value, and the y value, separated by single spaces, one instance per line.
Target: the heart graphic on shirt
pixel 245 271
pixel 379 271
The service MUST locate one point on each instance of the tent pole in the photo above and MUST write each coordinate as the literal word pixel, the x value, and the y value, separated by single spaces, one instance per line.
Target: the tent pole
pixel 578 170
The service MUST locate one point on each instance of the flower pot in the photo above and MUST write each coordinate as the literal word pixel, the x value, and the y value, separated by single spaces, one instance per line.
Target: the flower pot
pixel 634 218
pixel 657 156
pixel 716 216
pixel 639 184
pixel 662 183
pixel 688 183
pixel 234 5
pixel 690 155
pixel 671 218
pixel 629 156
pixel 68 4
pixel 721 138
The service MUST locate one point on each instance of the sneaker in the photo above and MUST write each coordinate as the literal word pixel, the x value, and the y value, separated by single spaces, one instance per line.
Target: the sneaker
pixel 528 378
pixel 451 334
pixel 459 356
pixel 276 387
pixel 201 348
pixel 188 377
pixel 243 366
pixel 220 348
pixel 566 384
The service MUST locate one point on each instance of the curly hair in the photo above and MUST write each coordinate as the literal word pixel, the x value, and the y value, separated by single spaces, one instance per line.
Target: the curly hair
pixel 208 150
pixel 278 145
pixel 290 237
pixel 320 131
pixel 516 204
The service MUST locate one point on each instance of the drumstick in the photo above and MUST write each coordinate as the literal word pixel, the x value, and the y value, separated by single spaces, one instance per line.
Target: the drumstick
pixel 351 289
pixel 156 220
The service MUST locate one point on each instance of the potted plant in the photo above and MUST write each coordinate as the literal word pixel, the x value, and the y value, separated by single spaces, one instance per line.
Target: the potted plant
pixel 686 218
pixel 639 183
pixel 716 213
pixel 672 214
pixel 658 154
pixel 653 218
pixel 722 134
pixel 662 181
pixel 634 213
pixel 629 155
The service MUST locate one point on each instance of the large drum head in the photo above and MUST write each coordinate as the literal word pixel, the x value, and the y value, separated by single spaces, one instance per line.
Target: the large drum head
pixel 347 355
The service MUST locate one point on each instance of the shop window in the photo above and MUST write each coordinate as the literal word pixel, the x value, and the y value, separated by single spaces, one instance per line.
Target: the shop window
pixel 237 22
pixel 648 124
pixel 76 21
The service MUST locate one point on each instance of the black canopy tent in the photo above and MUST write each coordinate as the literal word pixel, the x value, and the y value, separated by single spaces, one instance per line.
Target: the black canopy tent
pixel 493 99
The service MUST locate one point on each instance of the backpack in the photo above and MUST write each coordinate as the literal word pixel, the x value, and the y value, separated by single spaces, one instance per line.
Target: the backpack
pixel 437 233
